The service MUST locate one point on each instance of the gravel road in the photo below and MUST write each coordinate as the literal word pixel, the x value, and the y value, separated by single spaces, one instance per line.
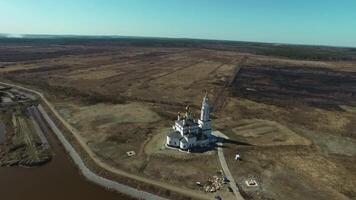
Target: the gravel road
pixel 225 167
pixel 109 184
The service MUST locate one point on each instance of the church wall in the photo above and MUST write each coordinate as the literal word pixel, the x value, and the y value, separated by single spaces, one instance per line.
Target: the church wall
pixel 172 141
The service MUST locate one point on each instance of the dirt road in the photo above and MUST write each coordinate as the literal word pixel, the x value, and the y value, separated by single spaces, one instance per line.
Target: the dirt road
pixel 96 159
pixel 225 167
pixel 107 183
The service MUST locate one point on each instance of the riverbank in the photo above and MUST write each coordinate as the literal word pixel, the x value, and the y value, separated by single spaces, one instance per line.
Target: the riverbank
pixel 24 143
pixel 122 176
pixel 87 173
pixel 56 180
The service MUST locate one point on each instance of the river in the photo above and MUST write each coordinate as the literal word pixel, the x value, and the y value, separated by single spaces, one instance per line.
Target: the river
pixel 57 180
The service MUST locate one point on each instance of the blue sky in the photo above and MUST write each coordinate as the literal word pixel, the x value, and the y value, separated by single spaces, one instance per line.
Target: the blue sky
pixel 327 22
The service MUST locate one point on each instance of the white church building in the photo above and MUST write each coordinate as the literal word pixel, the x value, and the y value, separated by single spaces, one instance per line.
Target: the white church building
pixel 188 133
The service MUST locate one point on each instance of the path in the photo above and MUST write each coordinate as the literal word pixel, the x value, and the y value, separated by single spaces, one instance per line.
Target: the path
pixel 220 96
pixel 109 184
pixel 188 192
pixel 225 167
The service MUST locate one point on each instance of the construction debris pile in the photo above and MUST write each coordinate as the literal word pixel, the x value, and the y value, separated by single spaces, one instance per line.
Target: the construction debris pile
pixel 216 182
pixel 24 132
pixel 12 97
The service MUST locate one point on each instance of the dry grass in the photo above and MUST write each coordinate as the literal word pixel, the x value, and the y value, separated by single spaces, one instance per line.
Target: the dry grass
pixel 267 133
pixel 300 151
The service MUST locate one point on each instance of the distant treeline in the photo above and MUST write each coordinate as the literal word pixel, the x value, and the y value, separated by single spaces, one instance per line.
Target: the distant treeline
pixel 310 53
pixel 103 44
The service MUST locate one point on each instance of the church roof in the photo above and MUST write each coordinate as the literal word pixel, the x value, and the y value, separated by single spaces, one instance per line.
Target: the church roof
pixel 175 134
pixel 187 123
pixel 190 135
pixel 184 141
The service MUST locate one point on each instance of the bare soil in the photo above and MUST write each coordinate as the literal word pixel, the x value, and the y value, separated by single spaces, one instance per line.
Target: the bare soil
pixel 22 146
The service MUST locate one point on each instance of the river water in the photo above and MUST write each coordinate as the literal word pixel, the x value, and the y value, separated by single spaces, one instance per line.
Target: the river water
pixel 57 180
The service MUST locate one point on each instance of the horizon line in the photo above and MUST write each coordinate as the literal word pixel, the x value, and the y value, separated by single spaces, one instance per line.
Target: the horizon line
pixel 20 36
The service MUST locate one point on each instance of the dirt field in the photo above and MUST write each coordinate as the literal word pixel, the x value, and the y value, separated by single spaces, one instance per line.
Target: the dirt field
pixel 290 111
pixel 266 133
pixel 112 130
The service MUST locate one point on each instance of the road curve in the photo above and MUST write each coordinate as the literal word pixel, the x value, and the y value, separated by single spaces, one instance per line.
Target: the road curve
pixel 225 167
pixel 188 192
pixel 109 184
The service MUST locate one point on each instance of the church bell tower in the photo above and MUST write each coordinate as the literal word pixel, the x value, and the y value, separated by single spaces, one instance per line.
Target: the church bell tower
pixel 204 121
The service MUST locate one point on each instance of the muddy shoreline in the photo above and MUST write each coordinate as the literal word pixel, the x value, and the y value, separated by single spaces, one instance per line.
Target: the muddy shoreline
pixel 58 177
